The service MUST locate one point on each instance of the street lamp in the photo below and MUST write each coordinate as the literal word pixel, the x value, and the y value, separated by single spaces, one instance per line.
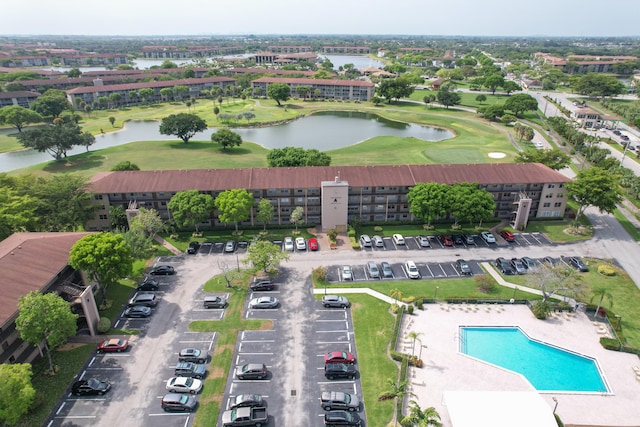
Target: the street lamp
pixel 435 294
pixel 237 261
pixel 515 288
pixel 420 355
pixel 556 406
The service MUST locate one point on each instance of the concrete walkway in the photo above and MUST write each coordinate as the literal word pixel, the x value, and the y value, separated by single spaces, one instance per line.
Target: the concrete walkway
pixel 371 292
pixel 168 245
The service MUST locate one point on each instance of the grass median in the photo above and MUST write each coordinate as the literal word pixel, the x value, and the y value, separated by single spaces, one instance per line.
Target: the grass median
pixel 227 331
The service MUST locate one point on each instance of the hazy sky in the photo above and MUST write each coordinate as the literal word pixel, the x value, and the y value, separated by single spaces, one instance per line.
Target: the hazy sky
pixel 427 17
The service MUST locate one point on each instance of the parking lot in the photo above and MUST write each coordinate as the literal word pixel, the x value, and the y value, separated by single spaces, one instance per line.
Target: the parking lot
pixel 293 353
pixel 303 331
pixel 138 375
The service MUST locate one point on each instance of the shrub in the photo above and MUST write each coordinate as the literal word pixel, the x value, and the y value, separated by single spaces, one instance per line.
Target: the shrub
pixel 427 227
pixel 332 235
pixel 415 361
pixel 541 310
pixel 485 283
pixel 104 324
pixel 319 274
pixel 419 305
pixel 377 229
pixel 397 308
pixel 410 309
pixel 354 243
pixel 610 343
pixel 606 270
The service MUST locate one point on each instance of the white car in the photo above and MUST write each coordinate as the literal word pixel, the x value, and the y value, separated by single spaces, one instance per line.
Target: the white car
pixel 488 237
pixel 346 273
pixel 184 385
pixel 424 241
pixel 301 244
pixel 398 239
pixel 288 243
pixel 412 270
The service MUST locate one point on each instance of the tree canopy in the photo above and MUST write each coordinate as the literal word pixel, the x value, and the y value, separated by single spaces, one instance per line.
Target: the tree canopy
pixel 555 158
pixel 395 88
pixel 189 208
pixel 17 212
pixel 226 138
pixel 104 257
pixel 125 165
pixel 265 212
pixel 56 140
pixel 447 97
pixel 51 104
pixel 234 206
pixel 597 85
pixel 16 391
pixel 18 116
pixel 182 125
pixel 45 318
pixel 295 156
pixel 279 92
pixel 520 103
pixel 428 201
pixel 597 187
pixel 265 256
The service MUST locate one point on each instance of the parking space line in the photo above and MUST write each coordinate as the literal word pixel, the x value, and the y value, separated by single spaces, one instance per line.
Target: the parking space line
pixel 330 320
pixel 337 382
pixel 60 408
pixel 258 341
pixel 429 269
pixel 250 381
pixel 76 417
pixel 253 354
pixel 339 331
pixel 107 369
pixel 168 414
pixel 330 342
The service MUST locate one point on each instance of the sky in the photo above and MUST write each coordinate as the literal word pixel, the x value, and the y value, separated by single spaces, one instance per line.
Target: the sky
pixel 582 18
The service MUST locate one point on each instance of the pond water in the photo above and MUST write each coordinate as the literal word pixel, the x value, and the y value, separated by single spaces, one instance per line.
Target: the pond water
pixel 323 131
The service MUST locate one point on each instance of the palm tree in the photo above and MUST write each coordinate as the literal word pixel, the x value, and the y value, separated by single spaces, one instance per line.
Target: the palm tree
pixel 416 337
pixel 417 417
pixel 602 293
pixel 396 390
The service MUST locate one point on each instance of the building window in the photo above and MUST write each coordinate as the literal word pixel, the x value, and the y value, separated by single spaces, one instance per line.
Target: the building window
pixel 104 217
pixel 561 186
pixel 557 204
pixel 546 205
pixel 551 186
pixel 545 213
pixel 555 213
pixel 98 196
pixel 549 196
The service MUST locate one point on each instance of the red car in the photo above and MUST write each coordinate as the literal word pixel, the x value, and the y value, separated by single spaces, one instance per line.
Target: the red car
pixel 313 244
pixel 113 344
pixel 446 240
pixel 507 235
pixel 340 357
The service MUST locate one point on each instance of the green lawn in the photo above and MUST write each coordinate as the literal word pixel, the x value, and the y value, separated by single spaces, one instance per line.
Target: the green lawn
pixel 474 140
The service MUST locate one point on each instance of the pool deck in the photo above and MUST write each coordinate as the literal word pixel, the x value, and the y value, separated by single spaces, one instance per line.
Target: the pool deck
pixel 445 369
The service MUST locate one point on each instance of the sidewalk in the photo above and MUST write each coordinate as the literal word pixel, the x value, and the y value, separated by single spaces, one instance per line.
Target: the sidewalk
pixel 167 245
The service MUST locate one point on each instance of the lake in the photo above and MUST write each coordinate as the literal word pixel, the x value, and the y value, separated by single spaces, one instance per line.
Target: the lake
pixel 323 131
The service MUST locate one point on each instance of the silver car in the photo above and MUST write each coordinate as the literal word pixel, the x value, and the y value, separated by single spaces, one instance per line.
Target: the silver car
pixel 335 301
pixel 264 302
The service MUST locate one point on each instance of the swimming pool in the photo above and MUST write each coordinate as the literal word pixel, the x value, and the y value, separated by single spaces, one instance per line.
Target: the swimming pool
pixel 547 368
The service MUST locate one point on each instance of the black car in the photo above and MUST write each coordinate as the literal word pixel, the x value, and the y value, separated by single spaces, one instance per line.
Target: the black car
pixel 252 371
pixel 339 370
pixel 504 266
pixel 148 284
pixel 262 284
pixel 457 239
pixel 162 270
pixel 191 370
pixel 91 386
pixel 578 264
pixel 193 248
pixel 137 311
pixel 172 402
pixel 463 267
pixel 342 418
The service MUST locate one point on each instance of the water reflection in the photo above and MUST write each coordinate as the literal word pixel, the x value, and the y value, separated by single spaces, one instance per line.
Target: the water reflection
pixel 323 131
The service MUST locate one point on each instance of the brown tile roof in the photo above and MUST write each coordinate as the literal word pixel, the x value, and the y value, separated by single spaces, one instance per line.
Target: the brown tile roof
pixel 136 86
pixel 19 94
pixel 310 177
pixel 317 82
pixel 237 70
pixel 28 262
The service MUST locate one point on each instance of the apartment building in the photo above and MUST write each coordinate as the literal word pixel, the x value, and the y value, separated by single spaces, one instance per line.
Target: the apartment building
pixel 23 98
pixel 333 195
pixel 196 87
pixel 347 90
pixel 346 50
pixel 187 52
pixel 38 262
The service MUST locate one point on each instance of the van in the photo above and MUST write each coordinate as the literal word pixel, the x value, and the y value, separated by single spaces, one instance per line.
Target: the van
pixel 365 241
pixel 372 268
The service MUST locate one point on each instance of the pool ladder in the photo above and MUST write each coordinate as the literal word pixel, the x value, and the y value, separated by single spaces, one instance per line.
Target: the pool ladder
pixel 462 344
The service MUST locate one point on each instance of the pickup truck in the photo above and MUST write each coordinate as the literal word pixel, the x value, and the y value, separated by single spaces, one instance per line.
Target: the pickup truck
pixel 245 417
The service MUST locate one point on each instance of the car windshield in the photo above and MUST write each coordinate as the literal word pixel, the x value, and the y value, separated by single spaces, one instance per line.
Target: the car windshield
pixel 412 268
pixel 93 383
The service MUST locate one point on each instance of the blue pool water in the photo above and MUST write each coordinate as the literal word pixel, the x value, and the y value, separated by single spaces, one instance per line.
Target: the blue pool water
pixel 546 367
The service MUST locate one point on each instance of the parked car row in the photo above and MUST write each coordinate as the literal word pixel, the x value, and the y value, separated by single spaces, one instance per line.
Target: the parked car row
pixel 188 380
pixel 288 244
pixel 424 241
pixel 522 265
